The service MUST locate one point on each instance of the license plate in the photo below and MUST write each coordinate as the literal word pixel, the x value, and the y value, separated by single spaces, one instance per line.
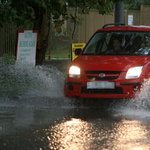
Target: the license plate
pixel 100 85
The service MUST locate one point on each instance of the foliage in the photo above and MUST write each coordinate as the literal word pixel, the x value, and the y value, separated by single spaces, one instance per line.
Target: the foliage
pixel 23 12
pixel 135 4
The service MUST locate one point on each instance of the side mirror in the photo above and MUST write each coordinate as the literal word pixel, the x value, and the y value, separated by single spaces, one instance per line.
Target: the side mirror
pixel 78 51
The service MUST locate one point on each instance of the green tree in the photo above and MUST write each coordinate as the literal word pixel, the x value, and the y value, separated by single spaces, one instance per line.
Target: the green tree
pixel 35 14
pixel 135 4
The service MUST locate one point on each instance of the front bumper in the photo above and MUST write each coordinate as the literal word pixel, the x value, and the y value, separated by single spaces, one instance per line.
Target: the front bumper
pixel 122 90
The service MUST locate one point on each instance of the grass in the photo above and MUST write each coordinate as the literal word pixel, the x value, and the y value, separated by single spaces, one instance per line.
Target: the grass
pixel 9 60
pixel 59 53
pixel 55 53
pixel 56 56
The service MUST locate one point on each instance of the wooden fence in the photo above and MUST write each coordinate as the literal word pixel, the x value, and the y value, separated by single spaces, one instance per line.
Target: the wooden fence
pixel 94 21
pixel 62 43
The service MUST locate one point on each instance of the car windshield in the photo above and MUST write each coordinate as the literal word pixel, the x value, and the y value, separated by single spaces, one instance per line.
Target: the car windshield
pixel 119 43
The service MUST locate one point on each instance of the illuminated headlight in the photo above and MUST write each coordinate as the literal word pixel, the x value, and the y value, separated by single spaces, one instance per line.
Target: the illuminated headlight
pixel 134 72
pixel 74 72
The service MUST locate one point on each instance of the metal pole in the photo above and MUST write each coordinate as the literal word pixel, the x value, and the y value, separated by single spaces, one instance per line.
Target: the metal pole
pixel 119 12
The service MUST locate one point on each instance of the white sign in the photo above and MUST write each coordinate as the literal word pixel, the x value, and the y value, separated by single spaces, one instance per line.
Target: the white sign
pixel 26 46
pixel 130 19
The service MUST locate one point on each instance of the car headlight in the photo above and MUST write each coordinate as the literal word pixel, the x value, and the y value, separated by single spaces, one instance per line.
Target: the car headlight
pixel 74 72
pixel 134 72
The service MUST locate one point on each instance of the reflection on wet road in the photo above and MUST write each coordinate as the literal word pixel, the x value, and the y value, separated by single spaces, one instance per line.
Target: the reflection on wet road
pixel 35 115
pixel 76 128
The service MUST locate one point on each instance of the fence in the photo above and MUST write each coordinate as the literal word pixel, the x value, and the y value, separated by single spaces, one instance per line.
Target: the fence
pixel 94 21
pixel 8 39
pixel 60 45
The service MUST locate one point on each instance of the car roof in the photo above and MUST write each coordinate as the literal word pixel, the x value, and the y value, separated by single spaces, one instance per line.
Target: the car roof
pixel 123 27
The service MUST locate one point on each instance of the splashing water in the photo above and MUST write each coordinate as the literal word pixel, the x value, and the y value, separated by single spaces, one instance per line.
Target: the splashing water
pixel 138 106
pixel 40 86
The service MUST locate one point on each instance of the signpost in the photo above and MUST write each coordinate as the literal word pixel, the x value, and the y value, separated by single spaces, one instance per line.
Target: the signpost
pixel 26 47
pixel 74 47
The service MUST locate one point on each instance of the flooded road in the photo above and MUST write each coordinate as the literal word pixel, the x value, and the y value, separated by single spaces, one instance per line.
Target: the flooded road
pixel 73 128
pixel 35 115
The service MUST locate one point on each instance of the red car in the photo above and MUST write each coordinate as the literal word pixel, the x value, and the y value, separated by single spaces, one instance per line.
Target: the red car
pixel 114 63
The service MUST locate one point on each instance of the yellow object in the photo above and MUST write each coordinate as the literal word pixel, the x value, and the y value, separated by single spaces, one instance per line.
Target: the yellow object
pixel 74 47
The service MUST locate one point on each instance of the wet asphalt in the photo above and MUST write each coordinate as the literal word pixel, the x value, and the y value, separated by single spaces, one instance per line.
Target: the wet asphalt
pixel 74 126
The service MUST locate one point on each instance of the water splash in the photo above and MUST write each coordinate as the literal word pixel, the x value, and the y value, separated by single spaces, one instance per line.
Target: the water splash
pixel 138 106
pixel 40 86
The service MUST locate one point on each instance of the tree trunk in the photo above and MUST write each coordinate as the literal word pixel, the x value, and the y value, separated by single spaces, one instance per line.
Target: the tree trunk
pixel 42 24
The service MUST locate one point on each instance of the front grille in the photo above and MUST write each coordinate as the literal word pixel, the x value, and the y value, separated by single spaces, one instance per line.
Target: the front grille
pixel 108 75
pixel 117 90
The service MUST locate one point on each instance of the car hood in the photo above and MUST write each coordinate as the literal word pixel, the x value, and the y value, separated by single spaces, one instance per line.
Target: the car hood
pixel 113 63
